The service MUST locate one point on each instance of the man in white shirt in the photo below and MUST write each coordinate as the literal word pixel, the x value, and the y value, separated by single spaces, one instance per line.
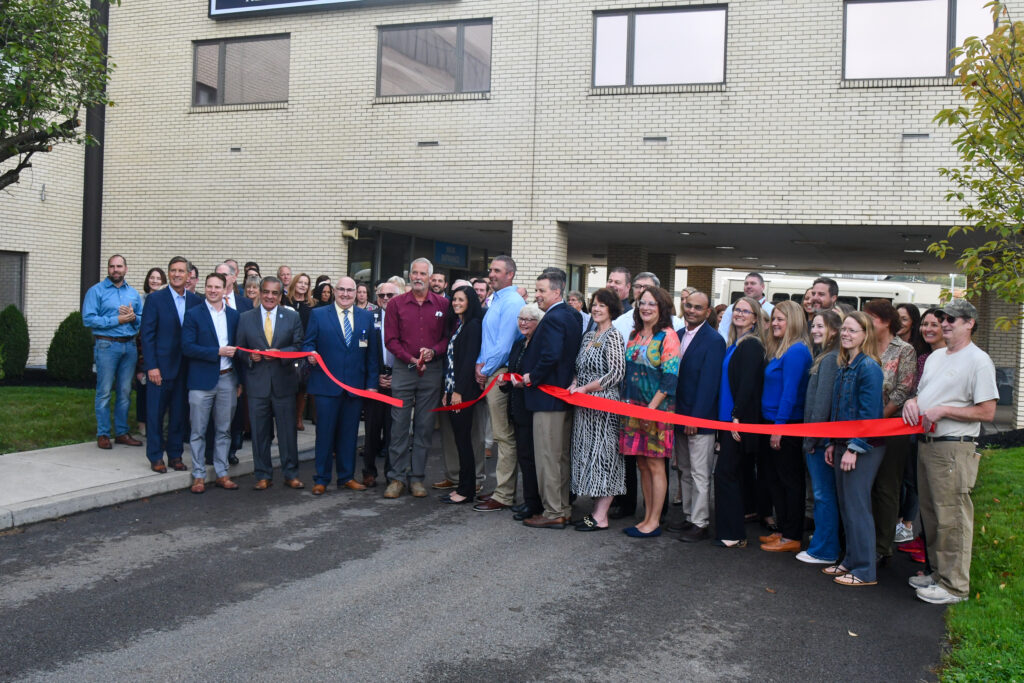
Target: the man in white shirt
pixel 753 286
pixel 957 392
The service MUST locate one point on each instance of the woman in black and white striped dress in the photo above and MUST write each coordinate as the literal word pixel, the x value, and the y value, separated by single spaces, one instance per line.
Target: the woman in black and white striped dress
pixel 598 469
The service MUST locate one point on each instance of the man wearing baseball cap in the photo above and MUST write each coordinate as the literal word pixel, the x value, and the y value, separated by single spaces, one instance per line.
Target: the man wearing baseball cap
pixel 957 393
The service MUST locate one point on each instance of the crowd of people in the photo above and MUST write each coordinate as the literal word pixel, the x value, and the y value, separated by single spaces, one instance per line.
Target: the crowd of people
pixel 240 358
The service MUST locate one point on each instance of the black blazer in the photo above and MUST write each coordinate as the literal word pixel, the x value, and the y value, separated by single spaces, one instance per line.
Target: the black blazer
pixel 517 411
pixel 465 351
pixel 746 377
pixel 551 356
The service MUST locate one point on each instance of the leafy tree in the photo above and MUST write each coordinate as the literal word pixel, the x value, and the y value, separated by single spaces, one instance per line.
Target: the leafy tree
pixel 990 181
pixel 52 66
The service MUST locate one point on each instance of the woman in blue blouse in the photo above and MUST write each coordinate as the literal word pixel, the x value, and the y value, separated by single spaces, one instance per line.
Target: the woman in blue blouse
pixel 782 402
pixel 857 396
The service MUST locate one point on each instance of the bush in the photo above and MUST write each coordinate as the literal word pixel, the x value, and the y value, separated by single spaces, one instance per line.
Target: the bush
pixel 14 340
pixel 70 357
pixel 1 361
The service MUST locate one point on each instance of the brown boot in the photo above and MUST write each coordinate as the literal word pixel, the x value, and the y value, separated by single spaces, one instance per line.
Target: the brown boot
pixel 300 407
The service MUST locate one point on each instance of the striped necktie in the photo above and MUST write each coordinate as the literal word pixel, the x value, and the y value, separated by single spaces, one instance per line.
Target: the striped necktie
pixel 347 327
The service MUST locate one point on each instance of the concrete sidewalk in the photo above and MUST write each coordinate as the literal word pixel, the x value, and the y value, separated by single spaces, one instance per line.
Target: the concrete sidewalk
pixel 53 482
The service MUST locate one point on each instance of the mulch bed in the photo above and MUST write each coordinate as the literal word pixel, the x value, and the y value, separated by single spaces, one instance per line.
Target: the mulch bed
pixel 37 377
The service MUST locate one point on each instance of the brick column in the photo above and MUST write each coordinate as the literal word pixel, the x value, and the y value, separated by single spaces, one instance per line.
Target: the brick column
pixel 632 256
pixel 701 277
pixel 664 266
pixel 536 246
pixel 1006 348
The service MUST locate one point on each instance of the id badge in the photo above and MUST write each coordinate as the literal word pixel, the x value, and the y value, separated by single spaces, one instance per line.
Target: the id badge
pixel 363 341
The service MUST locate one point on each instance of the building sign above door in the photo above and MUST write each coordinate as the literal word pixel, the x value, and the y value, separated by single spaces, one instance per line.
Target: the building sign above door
pixel 222 9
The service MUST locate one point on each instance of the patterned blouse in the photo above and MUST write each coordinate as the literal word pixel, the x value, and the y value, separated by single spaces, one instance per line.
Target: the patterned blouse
pixel 899 372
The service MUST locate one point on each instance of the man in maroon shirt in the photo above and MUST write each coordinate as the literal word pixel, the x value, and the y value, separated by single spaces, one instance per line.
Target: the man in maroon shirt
pixel 416 331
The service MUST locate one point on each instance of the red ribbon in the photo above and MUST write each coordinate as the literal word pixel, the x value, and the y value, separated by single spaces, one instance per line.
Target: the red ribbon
pixel 372 395
pixel 864 429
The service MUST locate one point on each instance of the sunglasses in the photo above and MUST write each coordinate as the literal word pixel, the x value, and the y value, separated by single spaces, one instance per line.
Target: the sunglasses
pixel 385 295
pixel 947 318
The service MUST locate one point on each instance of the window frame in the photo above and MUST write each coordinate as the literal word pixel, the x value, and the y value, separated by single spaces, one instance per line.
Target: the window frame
pixel 222 44
pixel 460 54
pixel 950 40
pixel 631 43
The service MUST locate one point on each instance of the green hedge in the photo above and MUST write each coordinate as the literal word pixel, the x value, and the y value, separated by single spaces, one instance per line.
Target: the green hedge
pixel 14 341
pixel 70 355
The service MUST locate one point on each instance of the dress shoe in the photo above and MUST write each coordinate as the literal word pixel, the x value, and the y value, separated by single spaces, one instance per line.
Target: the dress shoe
pixel 394 489
pixel 103 442
pixel 177 465
pixel 484 497
pixel 198 485
pixel 417 489
pixel 444 485
pixel 684 525
pixel 616 512
pixel 294 484
pixel 127 440
pixel 319 489
pixel 447 500
pixel 522 507
pixel 780 546
pixel 369 481
pixel 353 485
pixel 542 522
pixel 589 524
pixel 489 505
pixel 226 483
pixel 524 515
pixel 770 538
pixel 695 533
pixel 159 467
pixel 232 459
pixel 633 532
pixel 262 485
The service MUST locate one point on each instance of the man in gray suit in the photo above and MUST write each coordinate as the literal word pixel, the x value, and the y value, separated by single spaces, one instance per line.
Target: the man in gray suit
pixel 271 383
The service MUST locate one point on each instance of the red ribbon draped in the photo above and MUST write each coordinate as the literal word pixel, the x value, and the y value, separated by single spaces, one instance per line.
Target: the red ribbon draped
pixel 864 429
pixel 372 395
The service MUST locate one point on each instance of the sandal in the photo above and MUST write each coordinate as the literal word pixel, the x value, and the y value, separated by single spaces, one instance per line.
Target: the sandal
pixel 851 580
pixel 835 570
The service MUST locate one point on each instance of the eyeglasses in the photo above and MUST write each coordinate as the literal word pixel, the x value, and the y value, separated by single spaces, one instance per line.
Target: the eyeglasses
pixel 385 295
pixel 741 311
pixel 647 304
pixel 526 320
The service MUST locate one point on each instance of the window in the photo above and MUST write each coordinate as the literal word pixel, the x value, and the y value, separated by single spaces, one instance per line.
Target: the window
pixel 12 279
pixel 434 59
pixel 908 38
pixel 660 47
pixel 241 71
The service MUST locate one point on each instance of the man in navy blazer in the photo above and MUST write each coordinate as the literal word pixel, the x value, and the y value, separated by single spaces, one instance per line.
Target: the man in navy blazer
pixel 162 317
pixel 233 298
pixel 551 359
pixel 208 341
pixel 344 336
pixel 700 374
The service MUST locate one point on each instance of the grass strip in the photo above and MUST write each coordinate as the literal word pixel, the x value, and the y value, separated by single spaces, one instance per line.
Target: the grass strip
pixel 42 417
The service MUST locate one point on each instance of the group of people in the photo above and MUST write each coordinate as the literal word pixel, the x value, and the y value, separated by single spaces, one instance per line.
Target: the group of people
pixel 438 352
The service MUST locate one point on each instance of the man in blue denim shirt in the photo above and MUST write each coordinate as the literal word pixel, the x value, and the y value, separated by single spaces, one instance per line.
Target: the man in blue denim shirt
pixel 112 308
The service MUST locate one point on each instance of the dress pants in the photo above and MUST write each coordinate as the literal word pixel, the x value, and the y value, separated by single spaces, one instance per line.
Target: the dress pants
pixel 854 491
pixel 462 427
pixel 552 430
pixel 885 494
pixel 337 430
pixel 378 434
pixel 423 393
pixel 786 482
pixel 450 448
pixel 946 473
pixel 506 469
pixel 528 466
pixel 262 411
pixel 730 487
pixel 218 403
pixel 695 456
pixel 170 399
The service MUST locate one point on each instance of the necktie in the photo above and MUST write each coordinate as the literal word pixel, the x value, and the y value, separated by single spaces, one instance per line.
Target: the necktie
pixel 347 328
pixel 268 329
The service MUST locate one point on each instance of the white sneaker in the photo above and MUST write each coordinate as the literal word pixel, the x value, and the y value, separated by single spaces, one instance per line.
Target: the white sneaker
pixel 903 534
pixel 804 556
pixel 921 581
pixel 937 595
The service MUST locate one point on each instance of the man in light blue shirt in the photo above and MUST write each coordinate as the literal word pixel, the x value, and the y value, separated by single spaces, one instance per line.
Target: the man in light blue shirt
pixel 112 309
pixel 500 330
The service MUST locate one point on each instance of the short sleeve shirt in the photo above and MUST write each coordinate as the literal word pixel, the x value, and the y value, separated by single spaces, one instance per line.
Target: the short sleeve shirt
pixel 962 379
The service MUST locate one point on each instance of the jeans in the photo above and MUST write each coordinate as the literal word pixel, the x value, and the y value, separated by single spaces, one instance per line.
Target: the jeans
pixel 825 542
pixel 854 489
pixel 115 368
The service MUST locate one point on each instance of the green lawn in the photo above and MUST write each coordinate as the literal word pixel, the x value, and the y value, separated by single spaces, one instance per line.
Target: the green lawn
pixel 987 631
pixel 41 417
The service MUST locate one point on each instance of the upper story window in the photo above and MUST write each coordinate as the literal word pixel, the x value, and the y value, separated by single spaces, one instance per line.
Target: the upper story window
pixel 434 59
pixel 660 47
pixel 240 71
pixel 909 38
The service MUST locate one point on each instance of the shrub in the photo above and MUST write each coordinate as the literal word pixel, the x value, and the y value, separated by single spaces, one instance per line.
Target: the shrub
pixel 14 340
pixel 70 357
pixel 1 362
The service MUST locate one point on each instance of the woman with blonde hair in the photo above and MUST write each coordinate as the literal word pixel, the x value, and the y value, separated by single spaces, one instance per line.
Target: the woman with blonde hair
pixel 857 395
pixel 782 402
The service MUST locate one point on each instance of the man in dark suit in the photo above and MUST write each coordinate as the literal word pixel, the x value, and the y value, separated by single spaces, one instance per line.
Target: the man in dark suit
pixel 162 317
pixel 344 336
pixel 271 383
pixel 551 359
pixel 233 298
pixel 208 341
pixel 378 415
pixel 700 375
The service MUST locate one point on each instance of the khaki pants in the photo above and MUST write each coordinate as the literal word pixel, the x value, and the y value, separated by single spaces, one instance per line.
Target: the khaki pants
pixel 946 474
pixel 551 436
pixel 506 469
pixel 695 458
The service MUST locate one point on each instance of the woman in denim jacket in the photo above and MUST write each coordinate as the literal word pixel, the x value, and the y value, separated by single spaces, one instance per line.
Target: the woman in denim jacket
pixel 857 396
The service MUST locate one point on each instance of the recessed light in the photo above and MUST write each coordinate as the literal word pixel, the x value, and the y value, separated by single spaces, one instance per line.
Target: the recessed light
pixel 691 233
pixel 725 247
pixel 768 265
pixel 910 262
pixel 749 258
pixel 913 251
